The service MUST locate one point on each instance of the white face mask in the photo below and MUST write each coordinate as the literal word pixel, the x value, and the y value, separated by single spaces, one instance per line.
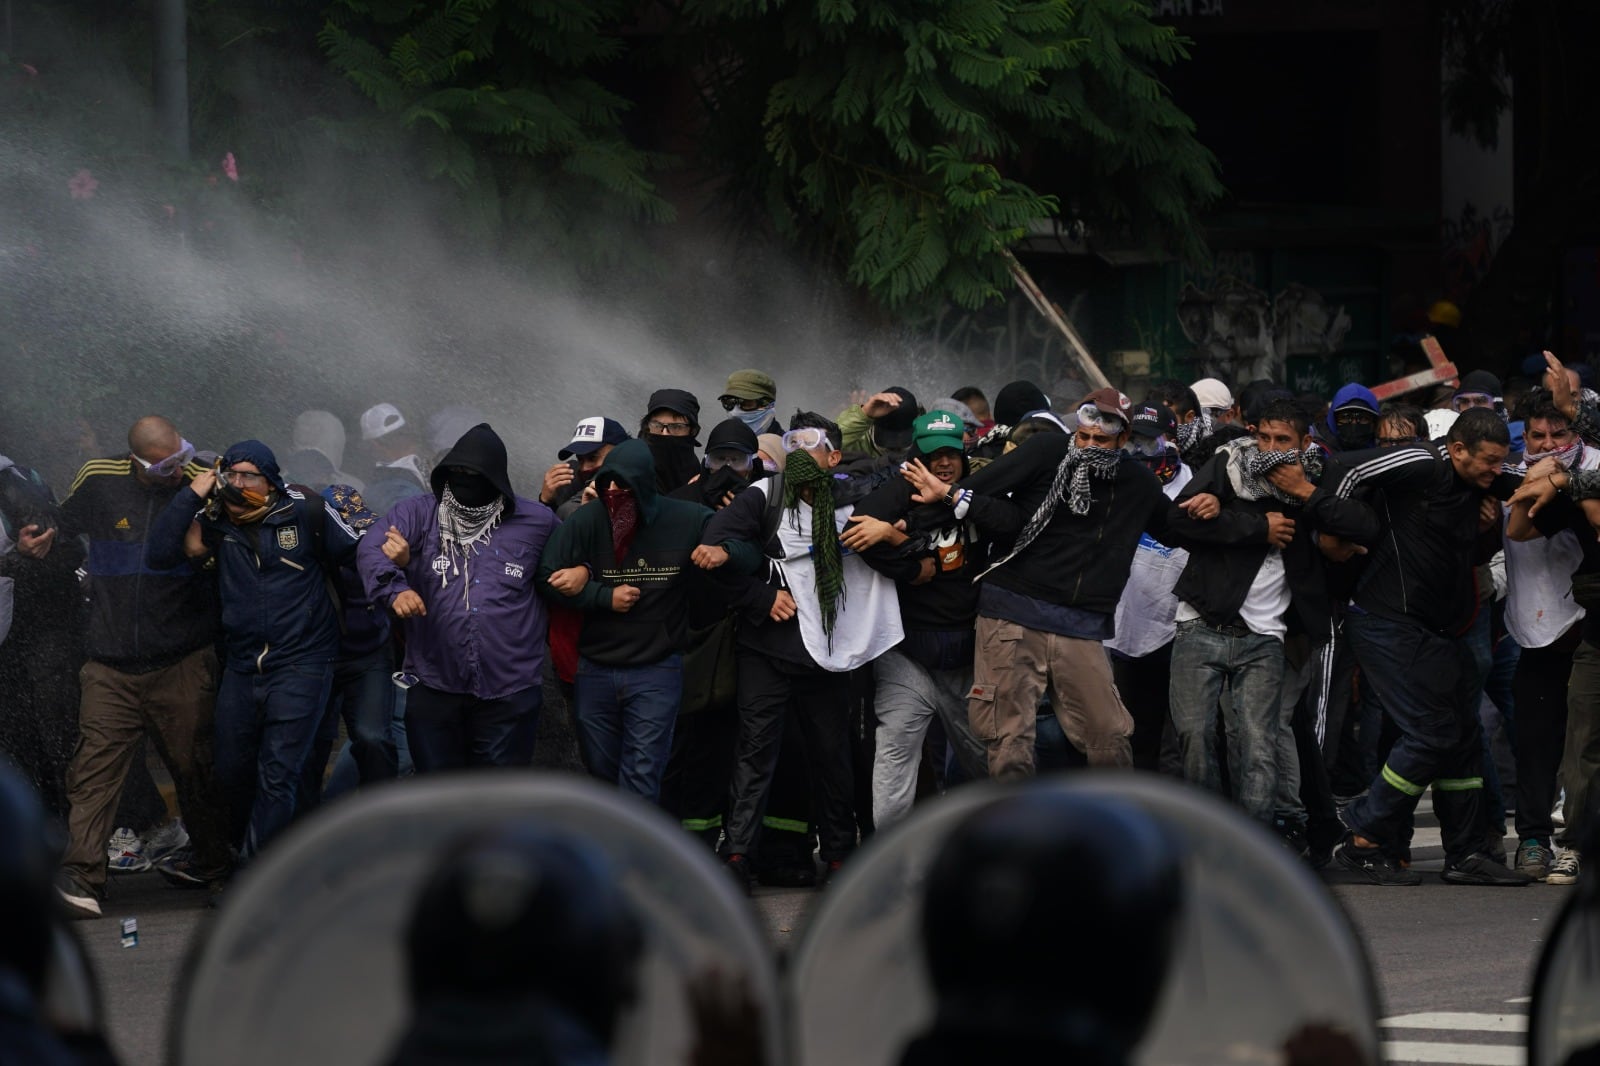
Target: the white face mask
pixel 1565 456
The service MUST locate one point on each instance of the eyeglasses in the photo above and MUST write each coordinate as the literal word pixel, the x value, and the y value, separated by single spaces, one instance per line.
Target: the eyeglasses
pixel 808 439
pixel 670 429
pixel 243 477
pixel 170 465
pixel 730 402
pixel 736 460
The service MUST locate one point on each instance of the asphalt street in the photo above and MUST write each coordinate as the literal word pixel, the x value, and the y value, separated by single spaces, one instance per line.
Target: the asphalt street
pixel 1452 962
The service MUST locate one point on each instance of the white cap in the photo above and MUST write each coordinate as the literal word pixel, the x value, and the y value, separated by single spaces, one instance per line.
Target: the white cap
pixel 380 420
pixel 1212 394
pixel 1439 423
pixel 320 431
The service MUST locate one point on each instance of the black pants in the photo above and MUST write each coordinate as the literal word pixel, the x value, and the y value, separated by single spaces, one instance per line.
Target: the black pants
pixel 449 730
pixel 694 788
pixel 769 692
pixel 1540 695
pixel 1428 684
pixel 1145 684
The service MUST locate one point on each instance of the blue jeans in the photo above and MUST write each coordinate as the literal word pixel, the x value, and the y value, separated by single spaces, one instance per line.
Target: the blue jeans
pixel 266 730
pixel 347 775
pixel 452 730
pixel 1250 666
pixel 625 716
pixel 1429 685
pixel 363 695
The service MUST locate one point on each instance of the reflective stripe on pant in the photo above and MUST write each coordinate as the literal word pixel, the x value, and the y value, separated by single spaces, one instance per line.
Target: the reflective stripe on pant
pixel 1014 666
pixel 1428 684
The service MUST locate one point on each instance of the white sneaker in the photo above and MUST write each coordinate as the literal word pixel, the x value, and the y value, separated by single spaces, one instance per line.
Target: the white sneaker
pixel 1565 870
pixel 125 854
pixel 166 841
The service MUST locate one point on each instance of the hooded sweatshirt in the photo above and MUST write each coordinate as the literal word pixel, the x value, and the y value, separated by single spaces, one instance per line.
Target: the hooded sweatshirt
pixel 1328 432
pixel 484 633
pixel 657 564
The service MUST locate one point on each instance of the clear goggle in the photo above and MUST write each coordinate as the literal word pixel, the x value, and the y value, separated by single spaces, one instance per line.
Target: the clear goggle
pixel 808 439
pixel 1467 400
pixel 1147 445
pixel 1090 415
pixel 736 460
pixel 170 465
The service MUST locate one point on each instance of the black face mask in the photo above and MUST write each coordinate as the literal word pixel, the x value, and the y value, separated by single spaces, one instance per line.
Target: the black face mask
pixel 472 490
pixel 1358 437
pixel 715 484
pixel 676 460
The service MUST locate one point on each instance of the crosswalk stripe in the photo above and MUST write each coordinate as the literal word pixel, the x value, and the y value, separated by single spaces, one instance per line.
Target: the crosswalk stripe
pixel 1459 1054
pixel 1460 1020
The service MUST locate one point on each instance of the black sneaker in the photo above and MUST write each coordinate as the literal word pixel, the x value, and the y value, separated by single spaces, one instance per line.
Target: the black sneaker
pixel 1373 864
pixel 829 870
pixel 738 865
pixel 1482 870
pixel 74 900
pixel 180 871
pixel 788 875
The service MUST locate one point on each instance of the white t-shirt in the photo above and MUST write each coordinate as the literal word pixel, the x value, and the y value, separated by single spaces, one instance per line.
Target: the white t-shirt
pixel 868 620
pixel 1145 618
pixel 1539 606
pixel 1265 604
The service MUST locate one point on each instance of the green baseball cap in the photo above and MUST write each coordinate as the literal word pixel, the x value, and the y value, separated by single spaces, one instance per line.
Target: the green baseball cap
pixel 750 385
pixel 937 429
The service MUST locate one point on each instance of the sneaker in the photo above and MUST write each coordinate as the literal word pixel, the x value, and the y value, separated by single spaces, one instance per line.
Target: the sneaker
pixel 1534 859
pixel 1364 857
pixel 180 871
pixel 1482 870
pixel 1565 870
pixel 738 865
pixel 125 854
pixel 829 870
pixel 167 841
pixel 76 901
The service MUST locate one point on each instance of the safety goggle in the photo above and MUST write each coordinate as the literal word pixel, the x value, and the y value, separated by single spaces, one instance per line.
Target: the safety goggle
pixel 737 460
pixel 808 439
pixel 1147 445
pixel 170 465
pixel 1090 415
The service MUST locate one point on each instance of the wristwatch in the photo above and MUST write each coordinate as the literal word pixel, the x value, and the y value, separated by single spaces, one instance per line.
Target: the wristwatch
pixel 951 495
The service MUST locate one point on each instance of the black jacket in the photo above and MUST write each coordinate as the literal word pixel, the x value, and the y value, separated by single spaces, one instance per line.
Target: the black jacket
pixel 1420 568
pixel 657 565
pixel 1225 553
pixel 140 618
pixel 1076 561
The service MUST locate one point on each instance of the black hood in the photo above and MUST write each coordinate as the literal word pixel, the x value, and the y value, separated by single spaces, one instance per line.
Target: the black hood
pixel 480 449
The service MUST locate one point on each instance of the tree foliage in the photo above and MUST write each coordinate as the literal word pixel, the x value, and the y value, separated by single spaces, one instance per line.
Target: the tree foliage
pixel 893 138
pixel 499 98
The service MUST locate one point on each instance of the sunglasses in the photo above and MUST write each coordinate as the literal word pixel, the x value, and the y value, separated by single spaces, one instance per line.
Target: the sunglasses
pixel 170 465
pixel 730 402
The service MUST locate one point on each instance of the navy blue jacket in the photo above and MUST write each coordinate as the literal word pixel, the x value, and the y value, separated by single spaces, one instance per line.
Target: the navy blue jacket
pixel 277 599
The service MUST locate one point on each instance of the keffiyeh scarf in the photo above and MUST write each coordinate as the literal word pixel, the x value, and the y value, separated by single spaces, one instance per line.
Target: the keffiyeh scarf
pixel 1193 434
pixel 462 532
pixel 1071 484
pixel 1248 467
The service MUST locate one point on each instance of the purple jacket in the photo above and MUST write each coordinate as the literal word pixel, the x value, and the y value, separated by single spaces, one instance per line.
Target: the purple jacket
pixel 484 634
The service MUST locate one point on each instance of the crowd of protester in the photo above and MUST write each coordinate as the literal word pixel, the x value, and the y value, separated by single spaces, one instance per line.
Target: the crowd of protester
pixel 786 635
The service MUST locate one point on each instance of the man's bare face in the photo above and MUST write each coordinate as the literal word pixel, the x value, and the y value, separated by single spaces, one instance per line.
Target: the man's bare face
pixel 945 464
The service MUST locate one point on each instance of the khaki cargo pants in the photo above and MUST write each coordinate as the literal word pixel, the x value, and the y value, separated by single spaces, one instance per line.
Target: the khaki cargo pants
pixel 1013 666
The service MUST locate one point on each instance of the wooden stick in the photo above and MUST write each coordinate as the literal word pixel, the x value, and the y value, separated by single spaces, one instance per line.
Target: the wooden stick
pixel 1075 346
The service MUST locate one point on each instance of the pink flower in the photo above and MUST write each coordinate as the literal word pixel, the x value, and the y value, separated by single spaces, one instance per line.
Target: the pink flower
pixel 31 70
pixel 230 167
pixel 82 185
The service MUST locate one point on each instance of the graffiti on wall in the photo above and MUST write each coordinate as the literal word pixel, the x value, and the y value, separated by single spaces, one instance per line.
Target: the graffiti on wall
pixel 1241 334
pixel 1470 241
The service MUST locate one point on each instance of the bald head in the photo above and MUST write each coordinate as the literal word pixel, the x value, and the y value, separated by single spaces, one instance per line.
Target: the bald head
pixel 153 438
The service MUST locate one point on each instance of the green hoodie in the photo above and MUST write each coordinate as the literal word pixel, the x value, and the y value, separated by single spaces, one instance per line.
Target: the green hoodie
pixel 657 565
